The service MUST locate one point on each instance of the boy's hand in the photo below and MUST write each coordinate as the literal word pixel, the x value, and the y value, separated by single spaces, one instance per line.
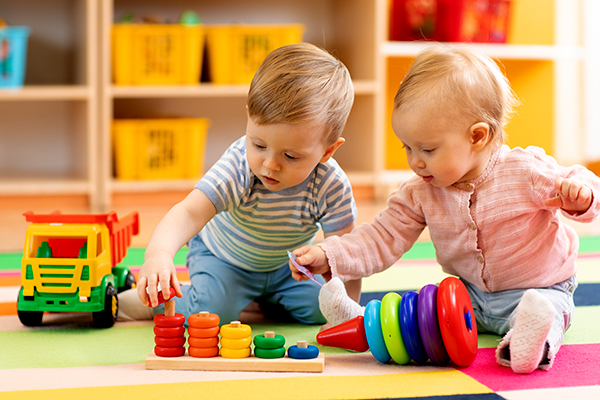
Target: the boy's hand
pixel 571 196
pixel 155 271
pixel 313 258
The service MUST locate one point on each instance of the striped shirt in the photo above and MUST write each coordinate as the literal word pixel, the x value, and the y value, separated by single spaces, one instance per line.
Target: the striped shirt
pixel 494 231
pixel 254 227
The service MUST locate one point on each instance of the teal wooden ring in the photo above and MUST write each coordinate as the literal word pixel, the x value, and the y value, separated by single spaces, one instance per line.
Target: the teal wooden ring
pixel 260 341
pixel 303 354
pixel 374 333
pixel 269 353
pixel 390 326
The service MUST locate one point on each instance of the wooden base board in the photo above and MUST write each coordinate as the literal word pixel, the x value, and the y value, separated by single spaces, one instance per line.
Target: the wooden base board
pixel 252 363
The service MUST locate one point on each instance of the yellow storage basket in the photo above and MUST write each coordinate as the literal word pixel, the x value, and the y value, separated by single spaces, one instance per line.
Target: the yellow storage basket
pixel 147 149
pixel 235 52
pixel 153 54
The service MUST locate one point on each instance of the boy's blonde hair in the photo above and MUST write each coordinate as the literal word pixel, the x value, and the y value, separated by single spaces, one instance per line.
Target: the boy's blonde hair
pixel 463 78
pixel 302 83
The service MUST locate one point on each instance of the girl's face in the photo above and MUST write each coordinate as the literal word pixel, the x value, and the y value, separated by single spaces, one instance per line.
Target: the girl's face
pixel 440 149
pixel 283 155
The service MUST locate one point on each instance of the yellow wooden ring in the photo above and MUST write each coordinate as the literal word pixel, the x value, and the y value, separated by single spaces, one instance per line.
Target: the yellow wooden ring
pixel 236 332
pixel 236 343
pixel 235 353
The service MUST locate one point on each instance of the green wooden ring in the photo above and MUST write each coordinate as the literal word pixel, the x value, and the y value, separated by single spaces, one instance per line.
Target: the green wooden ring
pixel 262 342
pixel 269 353
pixel 390 326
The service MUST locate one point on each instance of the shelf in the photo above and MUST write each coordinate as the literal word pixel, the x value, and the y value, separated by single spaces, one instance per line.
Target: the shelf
pixel 499 51
pixel 44 186
pixel 50 93
pixel 206 90
pixel 152 186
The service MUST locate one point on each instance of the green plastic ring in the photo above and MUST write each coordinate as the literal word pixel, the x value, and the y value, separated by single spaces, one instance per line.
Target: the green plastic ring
pixel 390 327
pixel 269 353
pixel 263 342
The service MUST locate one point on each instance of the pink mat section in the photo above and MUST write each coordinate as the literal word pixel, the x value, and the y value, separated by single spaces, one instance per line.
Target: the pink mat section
pixel 575 365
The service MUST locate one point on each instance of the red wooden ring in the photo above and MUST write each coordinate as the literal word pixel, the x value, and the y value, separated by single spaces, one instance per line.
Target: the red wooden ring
pixel 169 332
pixel 203 342
pixel 203 352
pixel 201 321
pixel 455 313
pixel 169 351
pixel 203 332
pixel 162 320
pixel 161 298
pixel 178 341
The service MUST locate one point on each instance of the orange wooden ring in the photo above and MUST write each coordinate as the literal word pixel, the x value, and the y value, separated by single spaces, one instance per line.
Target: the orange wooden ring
pixel 178 341
pixel 203 342
pixel 176 320
pixel 169 351
pixel 241 343
pixel 169 332
pixel 203 352
pixel 203 332
pixel 203 320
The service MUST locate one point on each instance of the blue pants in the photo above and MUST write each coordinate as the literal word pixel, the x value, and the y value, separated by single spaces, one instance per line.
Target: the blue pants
pixel 224 289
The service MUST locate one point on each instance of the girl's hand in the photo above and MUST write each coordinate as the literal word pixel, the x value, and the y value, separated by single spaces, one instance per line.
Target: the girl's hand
pixel 157 270
pixel 572 196
pixel 313 258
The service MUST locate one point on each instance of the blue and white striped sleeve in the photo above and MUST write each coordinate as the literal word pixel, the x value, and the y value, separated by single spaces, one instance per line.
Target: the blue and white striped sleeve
pixel 336 205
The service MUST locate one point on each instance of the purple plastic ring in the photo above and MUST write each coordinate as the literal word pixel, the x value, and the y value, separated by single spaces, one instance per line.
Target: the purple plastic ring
pixel 429 326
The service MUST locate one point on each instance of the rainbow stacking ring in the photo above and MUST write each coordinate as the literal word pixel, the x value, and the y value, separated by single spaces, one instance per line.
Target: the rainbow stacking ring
pixel 429 326
pixel 409 326
pixel 374 333
pixel 390 326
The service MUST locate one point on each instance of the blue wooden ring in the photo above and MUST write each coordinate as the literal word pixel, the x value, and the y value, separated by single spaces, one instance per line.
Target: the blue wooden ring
pixel 429 327
pixel 303 354
pixel 374 333
pixel 409 325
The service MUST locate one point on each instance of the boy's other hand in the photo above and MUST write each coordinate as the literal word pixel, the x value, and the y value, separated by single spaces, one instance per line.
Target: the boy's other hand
pixel 313 258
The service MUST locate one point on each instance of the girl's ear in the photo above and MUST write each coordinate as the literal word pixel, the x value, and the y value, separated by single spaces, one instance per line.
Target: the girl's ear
pixel 331 149
pixel 479 134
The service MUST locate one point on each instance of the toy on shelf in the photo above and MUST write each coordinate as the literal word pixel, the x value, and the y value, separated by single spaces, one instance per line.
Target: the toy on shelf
pixel 438 324
pixel 71 264
pixel 203 334
pixel 269 345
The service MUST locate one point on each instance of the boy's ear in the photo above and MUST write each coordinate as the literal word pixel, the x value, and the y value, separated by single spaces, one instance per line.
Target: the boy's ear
pixel 479 134
pixel 331 149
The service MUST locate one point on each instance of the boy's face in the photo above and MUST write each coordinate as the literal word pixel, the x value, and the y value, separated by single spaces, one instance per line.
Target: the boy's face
pixel 283 155
pixel 440 149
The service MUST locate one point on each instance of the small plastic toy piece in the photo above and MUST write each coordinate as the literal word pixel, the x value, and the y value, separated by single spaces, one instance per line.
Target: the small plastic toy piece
pixel 456 316
pixel 429 327
pixel 303 269
pixel 170 339
pixel 390 325
pixel 348 335
pixel 235 340
pixel 203 331
pixel 409 325
pixel 189 17
pixel 303 351
pixel 374 332
pixel 269 345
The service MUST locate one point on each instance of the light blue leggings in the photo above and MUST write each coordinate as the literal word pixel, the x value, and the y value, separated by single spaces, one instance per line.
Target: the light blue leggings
pixel 225 290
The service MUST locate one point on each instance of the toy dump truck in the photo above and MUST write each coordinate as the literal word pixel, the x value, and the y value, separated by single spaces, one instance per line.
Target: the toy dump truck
pixel 71 264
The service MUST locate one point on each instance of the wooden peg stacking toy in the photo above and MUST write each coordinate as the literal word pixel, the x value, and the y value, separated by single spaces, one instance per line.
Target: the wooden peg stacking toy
pixel 203 335
pixel 269 345
pixel 169 330
pixel 303 351
pixel 438 324
pixel 236 339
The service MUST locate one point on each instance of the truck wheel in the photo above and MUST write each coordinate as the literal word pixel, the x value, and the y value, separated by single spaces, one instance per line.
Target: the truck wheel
pixel 107 317
pixel 31 318
pixel 130 282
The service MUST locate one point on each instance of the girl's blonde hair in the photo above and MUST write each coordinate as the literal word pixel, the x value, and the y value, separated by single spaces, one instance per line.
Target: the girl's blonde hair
pixel 463 78
pixel 302 83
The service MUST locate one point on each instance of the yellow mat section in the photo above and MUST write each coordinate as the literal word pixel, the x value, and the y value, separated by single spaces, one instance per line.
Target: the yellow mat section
pixel 419 384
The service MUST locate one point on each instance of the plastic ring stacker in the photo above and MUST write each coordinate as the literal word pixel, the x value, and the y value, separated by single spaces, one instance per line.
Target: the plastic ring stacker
pixel 169 332
pixel 429 325
pixel 455 314
pixel 374 333
pixel 263 342
pixel 240 343
pixel 176 320
pixel 390 326
pixel 303 354
pixel 409 326
pixel 269 353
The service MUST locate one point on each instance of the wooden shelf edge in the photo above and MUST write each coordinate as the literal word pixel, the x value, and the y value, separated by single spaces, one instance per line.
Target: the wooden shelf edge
pixel 51 92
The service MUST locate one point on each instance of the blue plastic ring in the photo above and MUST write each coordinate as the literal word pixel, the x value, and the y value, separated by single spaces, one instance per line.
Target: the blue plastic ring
pixel 409 325
pixel 374 332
